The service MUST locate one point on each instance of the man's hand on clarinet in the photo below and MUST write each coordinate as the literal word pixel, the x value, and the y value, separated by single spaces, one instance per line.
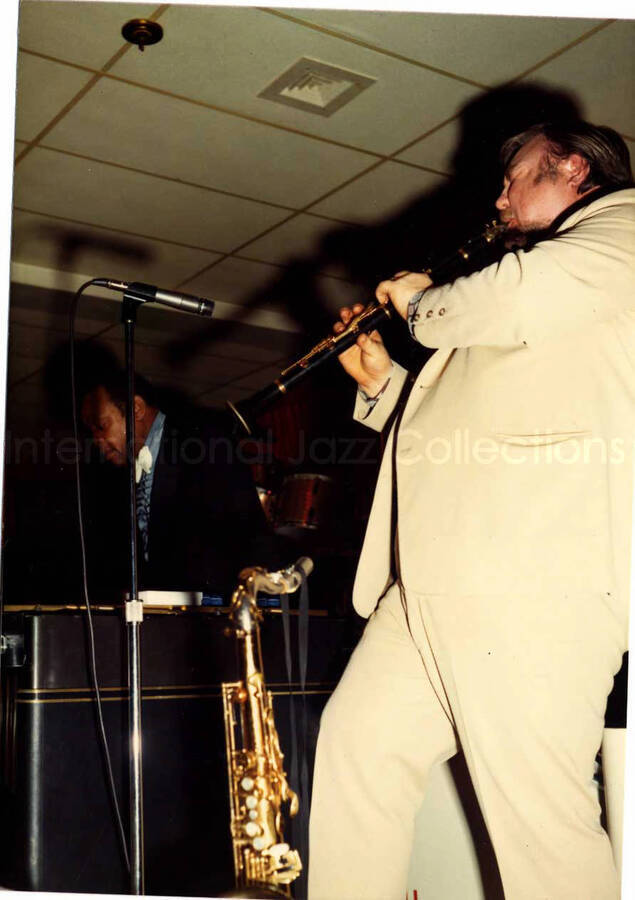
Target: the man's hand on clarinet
pixel 367 360
pixel 401 288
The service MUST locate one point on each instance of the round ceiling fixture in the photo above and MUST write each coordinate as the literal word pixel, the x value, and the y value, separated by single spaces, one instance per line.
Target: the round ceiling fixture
pixel 142 32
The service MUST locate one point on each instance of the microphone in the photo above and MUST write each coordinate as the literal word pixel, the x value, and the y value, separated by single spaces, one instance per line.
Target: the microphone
pixel 149 293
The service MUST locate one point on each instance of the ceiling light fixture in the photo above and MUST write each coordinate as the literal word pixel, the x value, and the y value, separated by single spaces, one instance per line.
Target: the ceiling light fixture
pixel 142 32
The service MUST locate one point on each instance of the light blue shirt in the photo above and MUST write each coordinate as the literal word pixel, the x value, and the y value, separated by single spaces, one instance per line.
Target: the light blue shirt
pixel 371 402
pixel 153 442
pixel 144 488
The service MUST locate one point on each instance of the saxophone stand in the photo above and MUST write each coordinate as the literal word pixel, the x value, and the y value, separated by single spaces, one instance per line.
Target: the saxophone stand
pixel 133 615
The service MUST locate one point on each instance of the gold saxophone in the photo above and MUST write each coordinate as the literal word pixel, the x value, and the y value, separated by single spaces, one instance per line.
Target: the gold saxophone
pixel 258 786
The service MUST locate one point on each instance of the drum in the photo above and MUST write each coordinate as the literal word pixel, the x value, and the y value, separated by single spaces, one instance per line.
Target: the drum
pixel 306 501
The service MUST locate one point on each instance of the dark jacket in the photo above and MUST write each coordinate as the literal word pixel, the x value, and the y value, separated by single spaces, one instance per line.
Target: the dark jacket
pixel 206 521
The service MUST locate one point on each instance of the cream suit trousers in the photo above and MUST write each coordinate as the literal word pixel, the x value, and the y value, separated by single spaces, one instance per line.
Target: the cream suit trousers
pixel 520 683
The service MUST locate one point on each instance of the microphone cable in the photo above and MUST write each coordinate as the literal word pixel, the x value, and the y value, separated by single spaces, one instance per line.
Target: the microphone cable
pixel 89 617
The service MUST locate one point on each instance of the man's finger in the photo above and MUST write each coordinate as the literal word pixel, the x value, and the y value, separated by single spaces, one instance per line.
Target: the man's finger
pixel 382 292
pixel 366 343
pixel 373 338
pixel 346 314
pixel 399 275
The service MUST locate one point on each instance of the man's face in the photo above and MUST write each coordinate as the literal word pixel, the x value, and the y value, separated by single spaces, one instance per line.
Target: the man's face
pixel 107 425
pixel 535 189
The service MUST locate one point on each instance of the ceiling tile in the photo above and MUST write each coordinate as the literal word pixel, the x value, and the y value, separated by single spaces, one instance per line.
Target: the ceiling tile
pixel 486 49
pixel 216 54
pixel 219 396
pixel 204 344
pixel 50 308
pixel 235 281
pixel 43 88
pixel 257 293
pixel 196 368
pixel 19 367
pixel 56 244
pixel 58 321
pixel 436 150
pixel 258 378
pixel 261 287
pixel 174 332
pixel 50 182
pixel 183 140
pixel 381 193
pixel 297 240
pixel 84 33
pixel 601 72
pixel 214 337
pixel 56 300
pixel 34 341
pixel 335 293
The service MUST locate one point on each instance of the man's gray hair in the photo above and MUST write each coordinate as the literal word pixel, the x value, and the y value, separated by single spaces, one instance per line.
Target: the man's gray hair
pixel 602 147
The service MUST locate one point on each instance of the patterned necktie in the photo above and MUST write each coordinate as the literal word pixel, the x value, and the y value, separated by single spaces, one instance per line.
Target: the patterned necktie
pixel 143 511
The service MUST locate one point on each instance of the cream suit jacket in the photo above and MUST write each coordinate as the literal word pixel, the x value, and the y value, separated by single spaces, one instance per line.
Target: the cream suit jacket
pixel 514 456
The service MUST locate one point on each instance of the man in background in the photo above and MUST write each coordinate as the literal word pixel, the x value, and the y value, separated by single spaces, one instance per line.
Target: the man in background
pixel 198 513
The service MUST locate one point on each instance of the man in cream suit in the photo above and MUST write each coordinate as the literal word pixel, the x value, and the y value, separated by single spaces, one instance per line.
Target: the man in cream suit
pixel 504 624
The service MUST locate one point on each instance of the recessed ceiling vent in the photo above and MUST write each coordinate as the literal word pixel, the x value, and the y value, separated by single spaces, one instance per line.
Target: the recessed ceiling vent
pixel 315 87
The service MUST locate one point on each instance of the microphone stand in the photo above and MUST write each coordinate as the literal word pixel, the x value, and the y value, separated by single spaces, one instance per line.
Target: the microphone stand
pixel 133 616
pixel 135 294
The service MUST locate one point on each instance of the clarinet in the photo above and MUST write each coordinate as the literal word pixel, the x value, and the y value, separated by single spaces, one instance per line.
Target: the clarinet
pixel 371 317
